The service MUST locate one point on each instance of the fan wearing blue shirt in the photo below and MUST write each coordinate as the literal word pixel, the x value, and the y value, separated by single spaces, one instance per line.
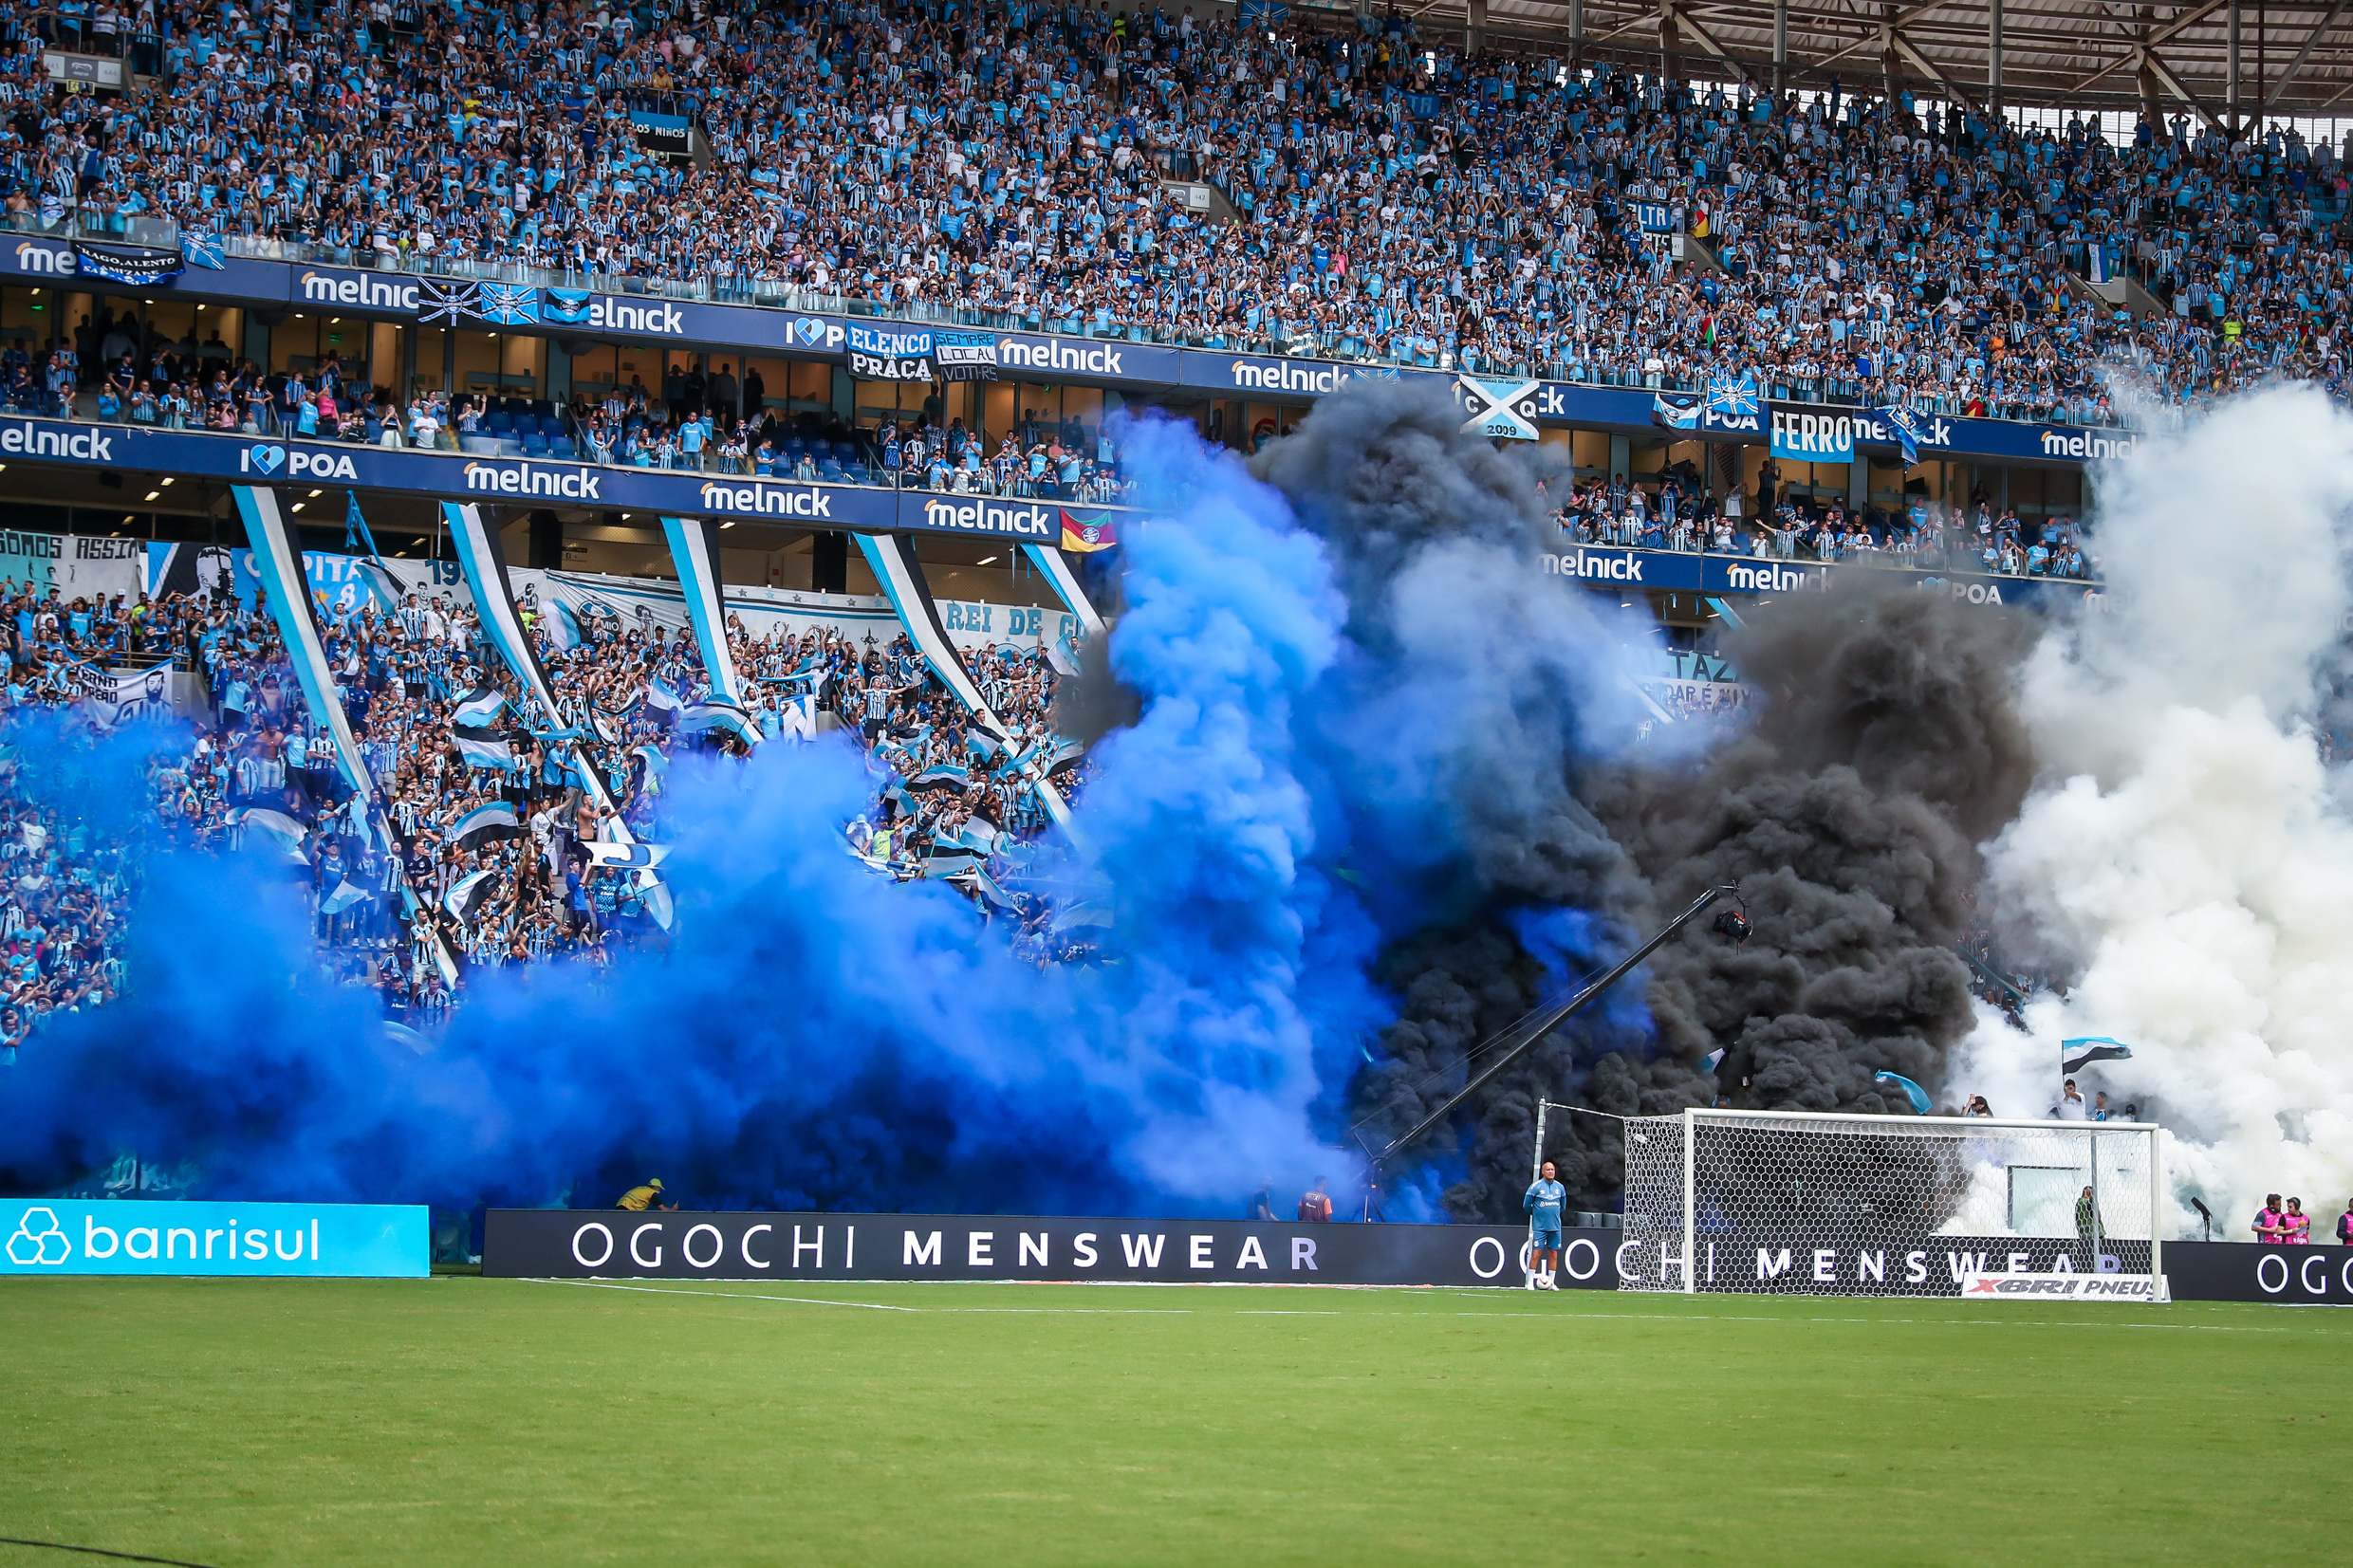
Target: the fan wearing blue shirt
pixel 1543 1203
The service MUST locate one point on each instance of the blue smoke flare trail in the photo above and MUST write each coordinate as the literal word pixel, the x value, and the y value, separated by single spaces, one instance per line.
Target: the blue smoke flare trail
pixel 814 1035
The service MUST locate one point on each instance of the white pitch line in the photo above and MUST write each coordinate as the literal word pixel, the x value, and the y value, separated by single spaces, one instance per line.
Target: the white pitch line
pixel 1277 1312
pixel 743 1295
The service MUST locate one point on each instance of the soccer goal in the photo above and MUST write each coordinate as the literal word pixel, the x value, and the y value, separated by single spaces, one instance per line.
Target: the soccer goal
pixel 1818 1204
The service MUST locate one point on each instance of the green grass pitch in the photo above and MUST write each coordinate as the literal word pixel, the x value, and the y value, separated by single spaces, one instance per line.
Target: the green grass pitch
pixel 462 1420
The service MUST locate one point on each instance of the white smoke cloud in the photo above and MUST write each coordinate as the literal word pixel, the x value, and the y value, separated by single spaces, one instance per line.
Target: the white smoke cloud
pixel 2183 855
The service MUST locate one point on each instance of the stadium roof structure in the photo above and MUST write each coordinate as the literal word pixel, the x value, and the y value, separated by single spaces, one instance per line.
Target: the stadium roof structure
pixel 2220 61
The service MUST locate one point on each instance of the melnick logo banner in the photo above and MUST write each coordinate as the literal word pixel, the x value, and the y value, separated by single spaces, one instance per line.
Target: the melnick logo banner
pixel 49 1236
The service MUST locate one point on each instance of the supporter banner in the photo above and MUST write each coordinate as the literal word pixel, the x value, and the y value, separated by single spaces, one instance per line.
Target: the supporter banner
pixel 337 581
pixel 1654 217
pixel 965 355
pixel 1502 409
pixel 890 354
pixel 670 135
pixel 78 1236
pixel 75 566
pixel 1733 403
pixel 122 696
pixel 557 1244
pixel 127 264
pixel 2249 1272
pixel 1802 433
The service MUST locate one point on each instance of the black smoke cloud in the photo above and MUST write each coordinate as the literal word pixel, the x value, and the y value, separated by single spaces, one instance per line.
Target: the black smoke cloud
pixel 1886 749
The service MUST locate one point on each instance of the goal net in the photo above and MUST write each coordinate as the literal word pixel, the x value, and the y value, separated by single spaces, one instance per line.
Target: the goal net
pixel 1799 1203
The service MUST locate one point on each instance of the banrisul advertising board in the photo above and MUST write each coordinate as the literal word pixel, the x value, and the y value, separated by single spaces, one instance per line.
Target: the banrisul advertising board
pixel 49 1236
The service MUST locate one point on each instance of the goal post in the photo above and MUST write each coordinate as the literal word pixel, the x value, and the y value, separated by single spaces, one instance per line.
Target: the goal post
pixel 1822 1202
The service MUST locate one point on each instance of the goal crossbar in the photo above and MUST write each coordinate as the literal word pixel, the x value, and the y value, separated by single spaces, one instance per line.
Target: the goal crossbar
pixel 1706 1112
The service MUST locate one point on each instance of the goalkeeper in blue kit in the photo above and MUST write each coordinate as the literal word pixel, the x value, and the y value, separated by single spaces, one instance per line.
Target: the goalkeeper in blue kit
pixel 1543 1203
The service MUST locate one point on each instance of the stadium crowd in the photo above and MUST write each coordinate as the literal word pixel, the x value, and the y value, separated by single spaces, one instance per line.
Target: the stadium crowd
pixel 510 887
pixel 1781 527
pixel 1398 201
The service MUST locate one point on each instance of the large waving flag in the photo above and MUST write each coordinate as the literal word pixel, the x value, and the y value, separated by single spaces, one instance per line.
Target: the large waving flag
pixel 484 747
pixel 485 824
pixel 478 708
pixel 347 894
pixel 1086 535
pixel 465 901
pixel 938 774
pixel 2076 1055
pixel 277 829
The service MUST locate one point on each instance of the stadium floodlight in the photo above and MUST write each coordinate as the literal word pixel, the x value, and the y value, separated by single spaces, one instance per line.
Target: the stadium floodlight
pixel 1828 1203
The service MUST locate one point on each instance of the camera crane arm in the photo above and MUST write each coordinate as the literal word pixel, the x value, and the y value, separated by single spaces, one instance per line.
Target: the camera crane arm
pixel 1519 1037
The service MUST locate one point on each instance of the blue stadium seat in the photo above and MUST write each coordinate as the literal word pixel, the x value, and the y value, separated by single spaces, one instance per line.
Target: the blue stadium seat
pixel 534 444
pixel 498 423
pixel 478 446
pixel 510 448
pixel 561 445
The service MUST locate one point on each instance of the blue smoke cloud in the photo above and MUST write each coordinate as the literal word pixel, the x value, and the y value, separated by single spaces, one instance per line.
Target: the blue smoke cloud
pixel 817 1036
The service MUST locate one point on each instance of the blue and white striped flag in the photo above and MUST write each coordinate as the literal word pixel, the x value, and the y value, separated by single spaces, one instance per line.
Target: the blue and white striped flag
pixel 478 706
pixel 485 824
pixel 484 748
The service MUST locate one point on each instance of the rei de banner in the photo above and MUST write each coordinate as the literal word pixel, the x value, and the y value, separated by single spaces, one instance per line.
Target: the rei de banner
pixel 578 1244
pixel 249 1240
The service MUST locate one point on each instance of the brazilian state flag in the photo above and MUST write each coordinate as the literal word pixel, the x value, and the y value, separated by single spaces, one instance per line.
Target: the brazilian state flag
pixel 1086 535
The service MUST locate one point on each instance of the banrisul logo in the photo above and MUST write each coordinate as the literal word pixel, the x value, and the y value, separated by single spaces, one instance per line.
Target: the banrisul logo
pixel 38 1240
pixel 101 1236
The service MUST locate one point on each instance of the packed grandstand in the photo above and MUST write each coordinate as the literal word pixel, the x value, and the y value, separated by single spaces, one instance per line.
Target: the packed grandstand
pixel 1399 202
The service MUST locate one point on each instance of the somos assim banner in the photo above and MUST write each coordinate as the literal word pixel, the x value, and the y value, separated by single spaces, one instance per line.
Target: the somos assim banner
pixel 578 1244
pixel 77 1236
